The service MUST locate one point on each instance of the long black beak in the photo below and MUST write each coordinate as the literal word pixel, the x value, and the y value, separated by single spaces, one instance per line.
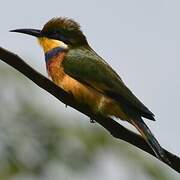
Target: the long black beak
pixel 32 32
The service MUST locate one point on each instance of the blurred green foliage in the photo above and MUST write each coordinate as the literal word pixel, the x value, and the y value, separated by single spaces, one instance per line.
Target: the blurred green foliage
pixel 36 143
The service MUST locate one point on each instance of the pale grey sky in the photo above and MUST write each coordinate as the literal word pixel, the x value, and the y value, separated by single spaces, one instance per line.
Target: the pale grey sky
pixel 140 39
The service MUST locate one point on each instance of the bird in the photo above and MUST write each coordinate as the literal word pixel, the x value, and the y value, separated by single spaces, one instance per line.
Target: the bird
pixel 74 66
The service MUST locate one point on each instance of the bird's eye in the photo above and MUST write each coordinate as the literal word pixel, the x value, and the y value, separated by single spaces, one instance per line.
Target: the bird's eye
pixel 62 38
pixel 59 35
pixel 55 32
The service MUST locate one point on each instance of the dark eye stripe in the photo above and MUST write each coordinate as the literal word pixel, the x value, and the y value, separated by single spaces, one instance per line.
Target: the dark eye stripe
pixel 62 38
pixel 58 35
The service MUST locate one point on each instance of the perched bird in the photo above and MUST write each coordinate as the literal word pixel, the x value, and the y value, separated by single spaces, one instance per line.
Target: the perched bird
pixel 75 67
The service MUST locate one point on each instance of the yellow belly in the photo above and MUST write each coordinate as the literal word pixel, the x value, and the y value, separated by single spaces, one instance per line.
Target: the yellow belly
pixel 83 94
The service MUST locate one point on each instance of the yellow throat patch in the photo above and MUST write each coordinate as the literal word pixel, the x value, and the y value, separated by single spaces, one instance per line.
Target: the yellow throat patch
pixel 47 44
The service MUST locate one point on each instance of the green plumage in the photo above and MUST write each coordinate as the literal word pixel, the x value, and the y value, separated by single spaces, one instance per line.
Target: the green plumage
pixel 86 66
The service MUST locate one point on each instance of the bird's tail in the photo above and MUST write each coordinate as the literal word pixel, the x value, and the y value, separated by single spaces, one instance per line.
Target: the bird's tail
pixel 150 139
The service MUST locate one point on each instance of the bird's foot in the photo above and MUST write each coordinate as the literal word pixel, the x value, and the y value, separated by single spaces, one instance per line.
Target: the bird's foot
pixel 92 120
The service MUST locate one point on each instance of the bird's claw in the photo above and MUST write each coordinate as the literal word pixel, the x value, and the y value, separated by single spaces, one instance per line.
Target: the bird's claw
pixel 92 120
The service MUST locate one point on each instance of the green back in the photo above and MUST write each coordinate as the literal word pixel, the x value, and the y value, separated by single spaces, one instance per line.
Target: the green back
pixel 86 66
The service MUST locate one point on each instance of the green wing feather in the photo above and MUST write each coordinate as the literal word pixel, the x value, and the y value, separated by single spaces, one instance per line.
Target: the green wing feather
pixel 86 66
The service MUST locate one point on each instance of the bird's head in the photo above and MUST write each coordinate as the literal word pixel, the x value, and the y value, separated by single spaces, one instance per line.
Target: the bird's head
pixel 58 32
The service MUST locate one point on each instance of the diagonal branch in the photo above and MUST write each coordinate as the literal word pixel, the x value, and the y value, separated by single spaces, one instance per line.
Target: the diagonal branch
pixel 117 130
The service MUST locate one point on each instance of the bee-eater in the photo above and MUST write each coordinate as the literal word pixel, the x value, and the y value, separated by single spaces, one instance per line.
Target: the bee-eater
pixel 75 67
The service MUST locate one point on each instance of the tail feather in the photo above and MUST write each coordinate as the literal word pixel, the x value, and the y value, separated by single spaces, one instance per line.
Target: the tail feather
pixel 150 139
